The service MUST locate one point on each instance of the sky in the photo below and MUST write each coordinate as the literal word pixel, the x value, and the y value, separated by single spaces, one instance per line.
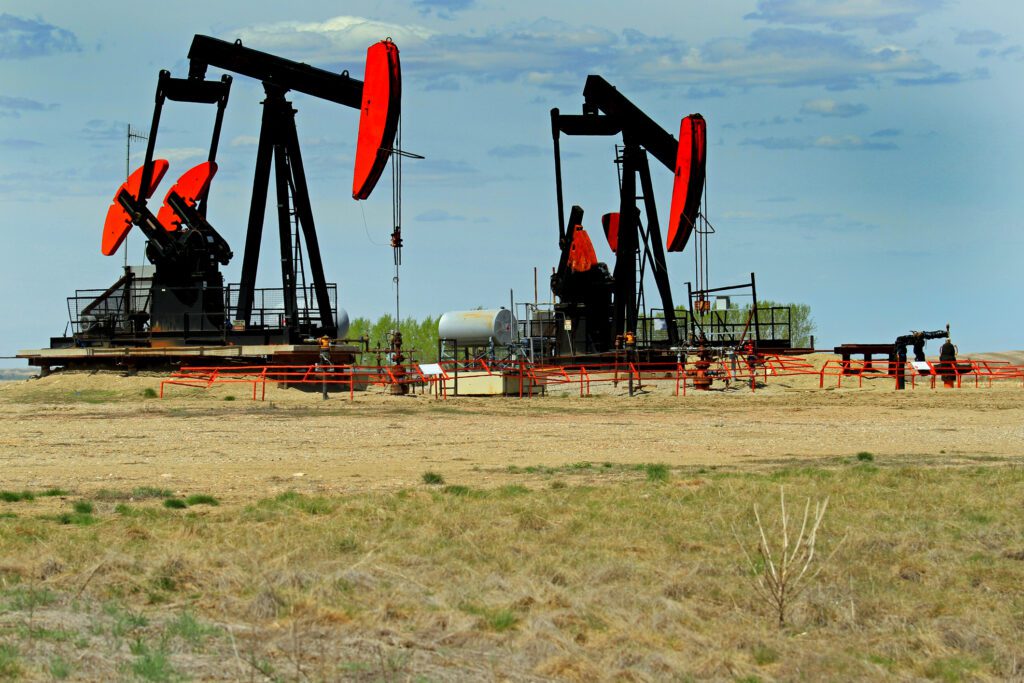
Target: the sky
pixel 865 157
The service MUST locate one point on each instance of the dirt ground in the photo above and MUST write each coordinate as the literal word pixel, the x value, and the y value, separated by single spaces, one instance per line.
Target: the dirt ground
pixel 98 431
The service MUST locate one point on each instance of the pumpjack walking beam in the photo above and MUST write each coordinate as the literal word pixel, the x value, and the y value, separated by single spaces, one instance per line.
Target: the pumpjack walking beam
pixel 199 91
pixel 607 112
pixel 279 146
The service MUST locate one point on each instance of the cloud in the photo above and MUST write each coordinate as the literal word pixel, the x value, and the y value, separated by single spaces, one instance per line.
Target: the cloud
pixel 546 54
pixel 887 133
pixel 13 106
pixel 99 130
pixel 178 154
pixel 444 84
pixel 445 9
pixel 979 37
pixel 698 93
pixel 19 144
pixel 785 57
pixel 1014 51
pixel 832 108
pixel 26 38
pixel 945 78
pixel 851 142
pixel 245 141
pixel 437 216
pixel 884 16
pixel 517 151
pixel 830 142
pixel 343 37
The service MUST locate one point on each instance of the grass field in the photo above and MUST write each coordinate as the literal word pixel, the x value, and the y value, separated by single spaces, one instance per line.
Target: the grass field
pixel 642 578
pixel 563 556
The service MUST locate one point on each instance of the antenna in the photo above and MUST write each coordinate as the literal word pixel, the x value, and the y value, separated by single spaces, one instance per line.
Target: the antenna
pixel 129 136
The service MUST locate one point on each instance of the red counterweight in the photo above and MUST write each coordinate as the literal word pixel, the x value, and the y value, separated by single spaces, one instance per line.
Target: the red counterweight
pixel 192 186
pixel 691 165
pixel 118 222
pixel 378 118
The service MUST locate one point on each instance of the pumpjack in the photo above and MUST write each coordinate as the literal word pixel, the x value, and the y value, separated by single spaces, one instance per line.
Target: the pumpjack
pixel 181 299
pixel 598 305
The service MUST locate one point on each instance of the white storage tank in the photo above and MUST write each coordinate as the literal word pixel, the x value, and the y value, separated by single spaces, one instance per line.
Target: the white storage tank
pixel 477 328
pixel 341 322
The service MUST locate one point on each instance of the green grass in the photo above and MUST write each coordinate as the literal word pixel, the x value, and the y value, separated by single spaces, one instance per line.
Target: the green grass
pixel 58 668
pixel 765 655
pixel 616 569
pixel 124 620
pixel 138 493
pixel 144 492
pixel 493 619
pixel 950 669
pixel 865 456
pixel 149 392
pixel 657 472
pixel 16 496
pixel 229 397
pixel 27 598
pixel 432 478
pixel 55 493
pixel 40 633
pixel 152 664
pixel 10 662
pixel 294 501
pixel 456 490
pixel 201 499
pixel 82 507
pixel 74 518
pixel 175 504
pixel 189 629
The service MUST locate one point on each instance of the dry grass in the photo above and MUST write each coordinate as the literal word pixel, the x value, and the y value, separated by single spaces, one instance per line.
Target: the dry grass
pixel 634 579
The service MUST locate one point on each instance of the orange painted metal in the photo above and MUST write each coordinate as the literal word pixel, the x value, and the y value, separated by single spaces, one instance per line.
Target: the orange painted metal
pixel 691 165
pixel 192 186
pixel 378 118
pixel 118 222
pixel 610 223
pixel 582 256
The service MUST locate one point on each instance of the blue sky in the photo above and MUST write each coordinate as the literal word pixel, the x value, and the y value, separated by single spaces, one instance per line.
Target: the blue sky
pixel 865 156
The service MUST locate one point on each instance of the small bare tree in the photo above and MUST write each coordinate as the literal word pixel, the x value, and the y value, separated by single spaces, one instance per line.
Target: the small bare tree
pixel 788 569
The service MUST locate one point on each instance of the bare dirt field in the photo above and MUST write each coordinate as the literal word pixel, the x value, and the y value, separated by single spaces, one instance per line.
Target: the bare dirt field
pixel 98 431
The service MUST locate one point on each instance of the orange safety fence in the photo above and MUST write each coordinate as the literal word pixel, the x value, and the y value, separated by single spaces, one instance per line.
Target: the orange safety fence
pixel 532 376
pixel 347 376
pixel 886 369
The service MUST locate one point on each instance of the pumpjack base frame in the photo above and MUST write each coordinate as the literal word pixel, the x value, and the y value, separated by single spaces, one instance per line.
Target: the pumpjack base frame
pixel 165 357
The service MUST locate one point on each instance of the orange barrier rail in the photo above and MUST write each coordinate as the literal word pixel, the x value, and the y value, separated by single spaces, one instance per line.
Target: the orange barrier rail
pixel 258 375
pixel 533 376
pixel 979 369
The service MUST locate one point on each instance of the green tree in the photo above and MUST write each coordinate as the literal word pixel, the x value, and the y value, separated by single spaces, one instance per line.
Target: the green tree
pixel 420 335
pixel 802 325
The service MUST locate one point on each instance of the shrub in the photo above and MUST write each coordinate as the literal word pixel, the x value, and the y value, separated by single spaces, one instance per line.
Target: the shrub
pixel 657 472
pixel 782 574
pixel 433 478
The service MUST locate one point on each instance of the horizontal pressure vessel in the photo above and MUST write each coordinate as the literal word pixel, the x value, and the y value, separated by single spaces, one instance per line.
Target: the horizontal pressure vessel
pixel 477 328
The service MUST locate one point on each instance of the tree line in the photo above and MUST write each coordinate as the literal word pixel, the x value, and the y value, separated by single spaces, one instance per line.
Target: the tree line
pixel 421 335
